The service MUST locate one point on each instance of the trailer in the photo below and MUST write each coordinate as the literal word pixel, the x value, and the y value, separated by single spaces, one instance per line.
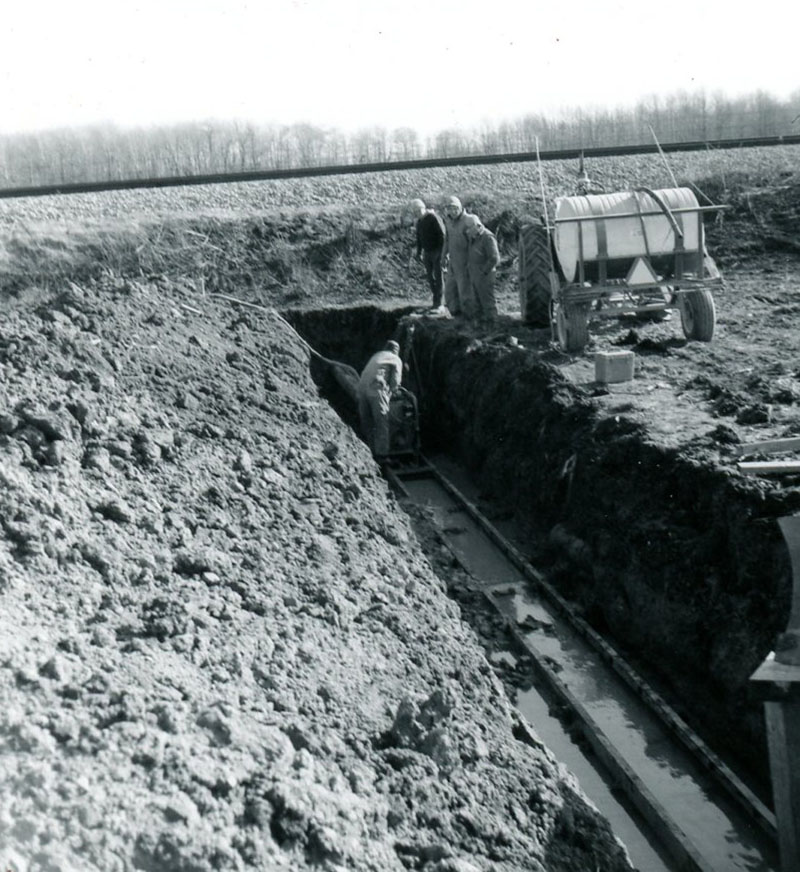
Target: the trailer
pixel 639 252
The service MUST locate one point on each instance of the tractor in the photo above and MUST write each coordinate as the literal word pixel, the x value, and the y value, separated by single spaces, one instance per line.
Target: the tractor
pixel 638 252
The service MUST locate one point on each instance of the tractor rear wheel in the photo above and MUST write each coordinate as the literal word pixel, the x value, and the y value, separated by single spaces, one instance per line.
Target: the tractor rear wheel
pixel 534 274
pixel 698 315
pixel 572 326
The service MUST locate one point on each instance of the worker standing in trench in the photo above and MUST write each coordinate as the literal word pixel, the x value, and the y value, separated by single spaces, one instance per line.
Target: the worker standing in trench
pixel 457 290
pixel 380 378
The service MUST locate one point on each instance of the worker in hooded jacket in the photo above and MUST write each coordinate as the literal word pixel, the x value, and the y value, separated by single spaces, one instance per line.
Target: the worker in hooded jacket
pixel 380 378
pixel 457 290
pixel 483 256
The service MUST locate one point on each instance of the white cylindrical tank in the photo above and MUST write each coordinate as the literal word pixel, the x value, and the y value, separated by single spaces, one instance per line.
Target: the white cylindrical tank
pixel 623 238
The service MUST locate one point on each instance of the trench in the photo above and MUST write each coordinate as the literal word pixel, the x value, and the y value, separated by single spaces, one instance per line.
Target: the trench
pixel 539 707
pixel 628 531
pixel 663 805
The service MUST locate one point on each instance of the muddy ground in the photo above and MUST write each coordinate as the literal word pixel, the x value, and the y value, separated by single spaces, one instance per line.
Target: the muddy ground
pixel 224 645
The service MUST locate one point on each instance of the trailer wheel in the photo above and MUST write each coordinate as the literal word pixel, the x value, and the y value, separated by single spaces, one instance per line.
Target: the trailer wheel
pixel 572 326
pixel 534 275
pixel 698 315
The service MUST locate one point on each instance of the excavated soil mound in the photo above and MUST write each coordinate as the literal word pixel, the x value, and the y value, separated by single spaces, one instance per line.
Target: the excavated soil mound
pixel 221 646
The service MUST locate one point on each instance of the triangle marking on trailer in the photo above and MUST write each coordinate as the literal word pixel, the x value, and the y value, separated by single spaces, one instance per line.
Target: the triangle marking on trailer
pixel 641 273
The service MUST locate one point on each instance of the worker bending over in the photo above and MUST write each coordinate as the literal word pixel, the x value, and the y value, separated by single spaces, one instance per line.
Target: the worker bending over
pixel 381 377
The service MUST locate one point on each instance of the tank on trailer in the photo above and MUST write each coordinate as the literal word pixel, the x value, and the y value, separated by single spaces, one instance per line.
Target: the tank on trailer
pixel 622 253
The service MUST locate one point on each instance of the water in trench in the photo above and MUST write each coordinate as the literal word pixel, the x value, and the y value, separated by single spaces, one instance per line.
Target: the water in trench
pixel 719 832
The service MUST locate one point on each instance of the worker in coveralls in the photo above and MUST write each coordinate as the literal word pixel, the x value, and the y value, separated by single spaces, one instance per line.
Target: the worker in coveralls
pixel 457 290
pixel 381 377
pixel 483 255
pixel 430 244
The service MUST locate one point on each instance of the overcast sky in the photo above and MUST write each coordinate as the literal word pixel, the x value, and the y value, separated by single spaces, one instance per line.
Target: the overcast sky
pixel 355 63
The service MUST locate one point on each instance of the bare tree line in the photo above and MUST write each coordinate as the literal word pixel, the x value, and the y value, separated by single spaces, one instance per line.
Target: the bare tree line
pixel 107 153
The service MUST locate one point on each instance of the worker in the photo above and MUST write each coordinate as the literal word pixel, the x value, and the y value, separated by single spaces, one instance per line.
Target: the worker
pixel 483 256
pixel 380 379
pixel 457 289
pixel 430 244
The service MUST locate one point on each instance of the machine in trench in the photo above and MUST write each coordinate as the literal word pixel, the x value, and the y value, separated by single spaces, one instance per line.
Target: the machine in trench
pixel 404 436
pixel 638 252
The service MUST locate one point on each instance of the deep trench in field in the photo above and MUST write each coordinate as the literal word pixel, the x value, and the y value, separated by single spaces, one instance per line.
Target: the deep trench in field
pixel 655 548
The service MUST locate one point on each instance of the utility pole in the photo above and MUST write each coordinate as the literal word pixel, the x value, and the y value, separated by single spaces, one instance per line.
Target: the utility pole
pixel 777 682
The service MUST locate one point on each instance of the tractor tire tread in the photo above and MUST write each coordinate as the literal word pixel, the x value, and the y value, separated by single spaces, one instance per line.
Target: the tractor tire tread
pixel 534 275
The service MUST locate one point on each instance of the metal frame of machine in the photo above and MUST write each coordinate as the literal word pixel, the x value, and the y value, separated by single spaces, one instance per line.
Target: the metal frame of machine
pixel 404 439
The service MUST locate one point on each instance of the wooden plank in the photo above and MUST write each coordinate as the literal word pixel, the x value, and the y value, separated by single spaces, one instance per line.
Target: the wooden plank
pixel 769 446
pixel 783 735
pixel 770 467
pixel 775 681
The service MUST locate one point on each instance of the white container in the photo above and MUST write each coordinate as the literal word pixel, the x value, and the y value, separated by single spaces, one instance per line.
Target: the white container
pixel 613 366
pixel 622 239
